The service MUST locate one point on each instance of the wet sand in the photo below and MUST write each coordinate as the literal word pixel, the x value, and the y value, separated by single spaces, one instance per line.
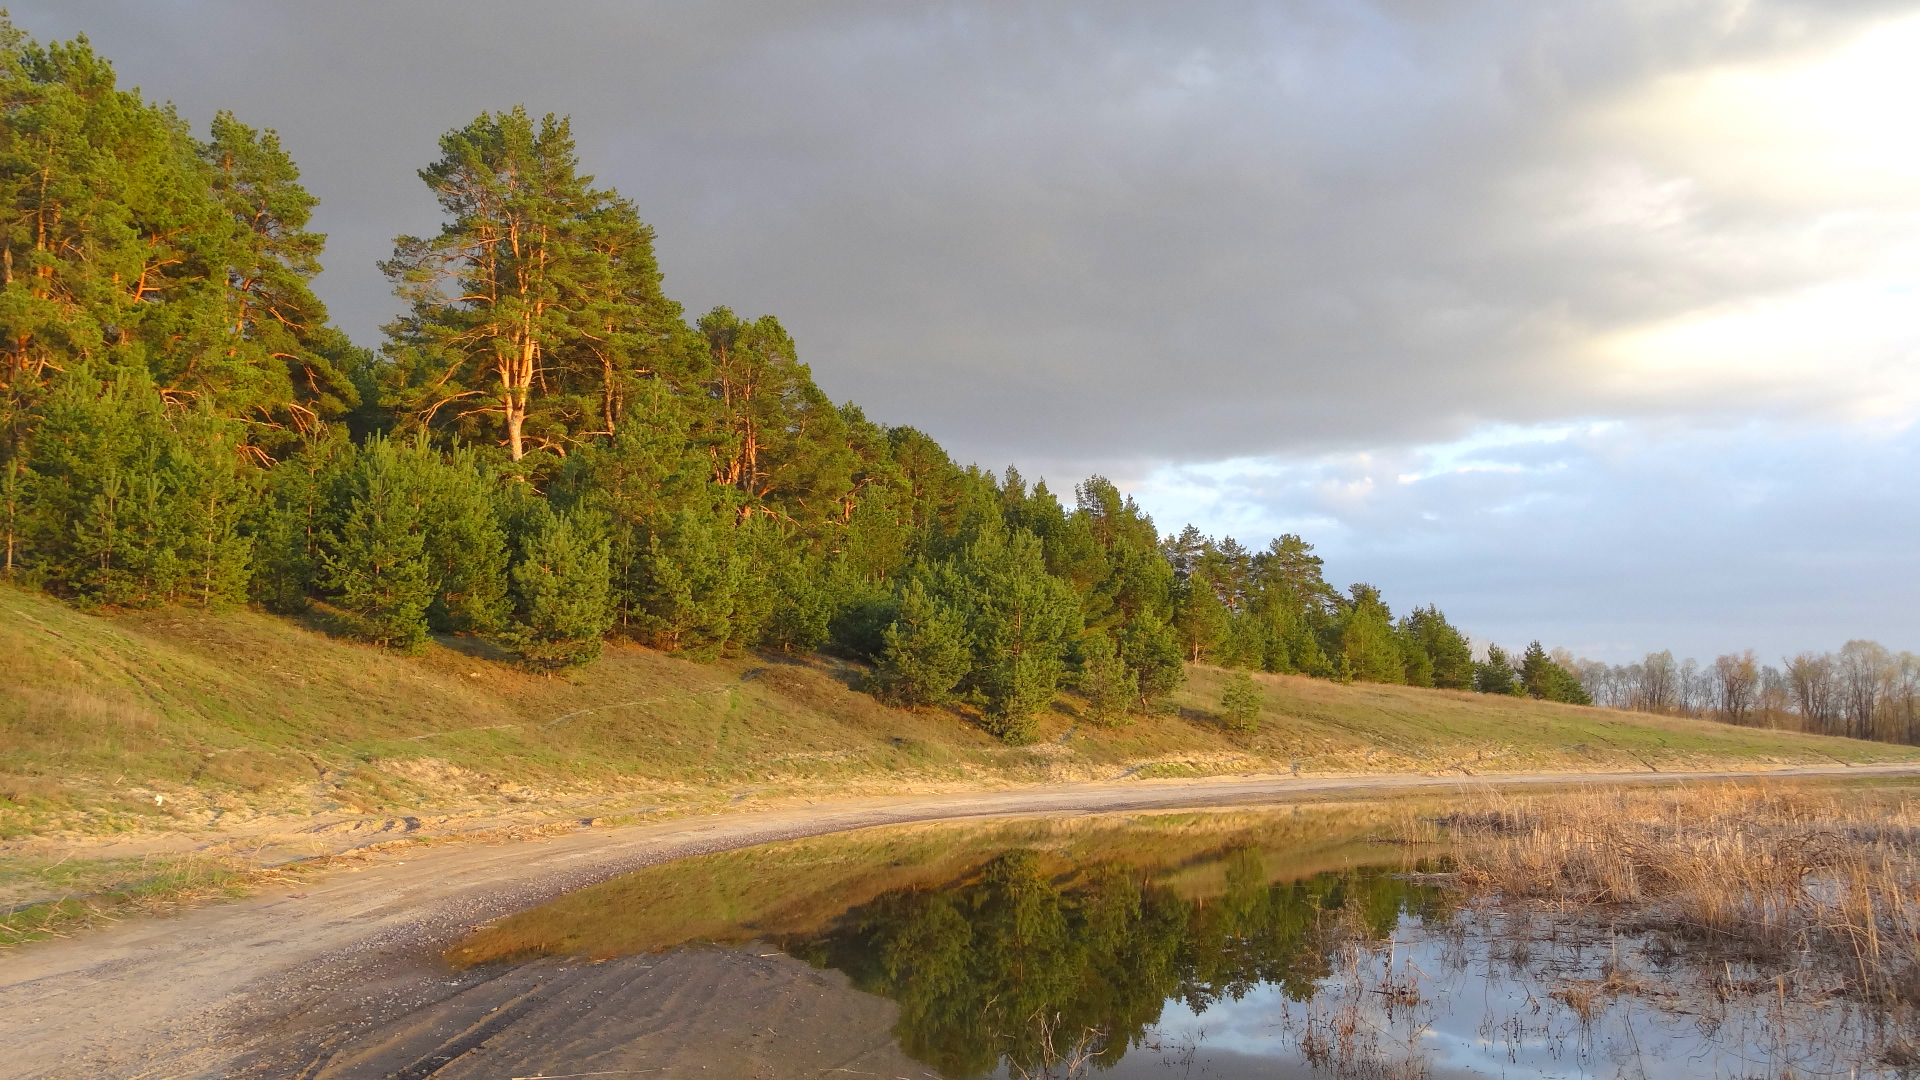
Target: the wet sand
pixel 691 1012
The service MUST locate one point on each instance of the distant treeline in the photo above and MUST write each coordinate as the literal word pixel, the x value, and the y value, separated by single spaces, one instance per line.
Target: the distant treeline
pixel 1863 691
pixel 546 450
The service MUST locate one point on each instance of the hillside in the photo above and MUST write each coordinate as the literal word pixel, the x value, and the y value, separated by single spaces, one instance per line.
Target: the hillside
pixel 179 719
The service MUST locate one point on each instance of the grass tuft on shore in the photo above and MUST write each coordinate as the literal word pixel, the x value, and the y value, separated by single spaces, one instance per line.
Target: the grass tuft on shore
pixel 92 892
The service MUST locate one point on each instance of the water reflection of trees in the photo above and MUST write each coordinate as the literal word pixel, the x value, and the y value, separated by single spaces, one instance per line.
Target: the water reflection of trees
pixel 1020 955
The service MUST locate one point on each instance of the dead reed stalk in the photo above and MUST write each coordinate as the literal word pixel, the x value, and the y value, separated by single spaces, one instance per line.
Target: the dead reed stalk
pixel 1770 874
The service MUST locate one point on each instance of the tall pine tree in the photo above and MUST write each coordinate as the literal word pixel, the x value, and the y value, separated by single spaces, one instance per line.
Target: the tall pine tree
pixel 523 277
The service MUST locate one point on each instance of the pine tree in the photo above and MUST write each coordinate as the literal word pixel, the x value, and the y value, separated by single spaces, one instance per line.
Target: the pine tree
pixel 1289 568
pixel 1203 621
pixel 560 588
pixel 1541 678
pixel 163 341
pixel 625 340
pixel 1448 655
pixel 874 533
pixel 129 244
pixel 1152 652
pixel 285 558
pixel 120 502
pixel 1275 640
pixel 1105 680
pixel 1535 670
pixel 212 493
pixel 689 581
pixel 1572 690
pixel 1240 703
pixel 638 477
pixel 292 515
pixel 1495 676
pixel 1289 643
pixel 1414 658
pixel 863 608
pixel 925 650
pixel 803 609
pixel 1367 641
pixel 759 545
pixel 15 521
pixel 373 556
pixel 466 546
pixel 279 327
pixel 1138 580
pixel 1021 621
pixel 775 438
pixel 518 248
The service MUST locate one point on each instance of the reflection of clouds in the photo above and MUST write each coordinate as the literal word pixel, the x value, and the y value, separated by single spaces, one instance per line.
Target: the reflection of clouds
pixel 1249 1025
pixel 1481 1018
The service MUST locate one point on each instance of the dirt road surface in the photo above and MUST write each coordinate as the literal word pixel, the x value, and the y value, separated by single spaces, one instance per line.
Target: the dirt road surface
pixel 277 984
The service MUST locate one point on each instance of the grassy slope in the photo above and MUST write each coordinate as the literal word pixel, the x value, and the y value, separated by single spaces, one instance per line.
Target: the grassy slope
pixel 235 715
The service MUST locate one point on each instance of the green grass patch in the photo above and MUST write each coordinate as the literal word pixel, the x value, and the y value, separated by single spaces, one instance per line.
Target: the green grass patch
pixel 177 718
pixel 95 891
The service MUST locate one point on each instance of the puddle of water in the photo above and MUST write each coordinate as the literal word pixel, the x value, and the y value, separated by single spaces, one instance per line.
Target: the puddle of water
pixel 803 886
pixel 1228 944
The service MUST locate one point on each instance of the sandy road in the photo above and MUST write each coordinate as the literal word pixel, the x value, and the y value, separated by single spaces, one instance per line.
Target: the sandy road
pixel 198 995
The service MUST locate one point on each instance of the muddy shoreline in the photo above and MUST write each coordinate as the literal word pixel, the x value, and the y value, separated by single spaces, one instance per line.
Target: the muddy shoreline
pixel 274 985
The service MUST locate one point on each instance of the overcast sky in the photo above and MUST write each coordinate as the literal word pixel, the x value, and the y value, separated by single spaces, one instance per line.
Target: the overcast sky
pixel 1592 321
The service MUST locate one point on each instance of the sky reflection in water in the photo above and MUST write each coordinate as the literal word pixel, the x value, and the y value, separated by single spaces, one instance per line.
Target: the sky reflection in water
pixel 1482 1017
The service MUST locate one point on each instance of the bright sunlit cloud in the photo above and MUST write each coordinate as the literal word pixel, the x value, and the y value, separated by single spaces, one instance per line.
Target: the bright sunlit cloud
pixel 1851 349
pixel 1843 123
pixel 1795 181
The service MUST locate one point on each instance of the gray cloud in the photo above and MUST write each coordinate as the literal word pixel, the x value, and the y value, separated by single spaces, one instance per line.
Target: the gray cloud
pixel 1091 232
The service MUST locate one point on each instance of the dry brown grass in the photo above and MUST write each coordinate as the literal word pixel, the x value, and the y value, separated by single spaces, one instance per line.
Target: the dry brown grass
pixel 1774 875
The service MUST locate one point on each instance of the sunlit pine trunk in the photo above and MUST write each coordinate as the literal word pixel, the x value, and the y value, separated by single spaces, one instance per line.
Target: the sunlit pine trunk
pixel 516 373
pixel 608 401
pixel 516 385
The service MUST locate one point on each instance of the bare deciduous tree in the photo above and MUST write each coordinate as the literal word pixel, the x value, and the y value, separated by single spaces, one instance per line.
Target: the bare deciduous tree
pixel 1776 695
pixel 1736 682
pixel 1903 699
pixel 1692 688
pixel 1864 690
pixel 1657 684
pixel 1863 670
pixel 1810 676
